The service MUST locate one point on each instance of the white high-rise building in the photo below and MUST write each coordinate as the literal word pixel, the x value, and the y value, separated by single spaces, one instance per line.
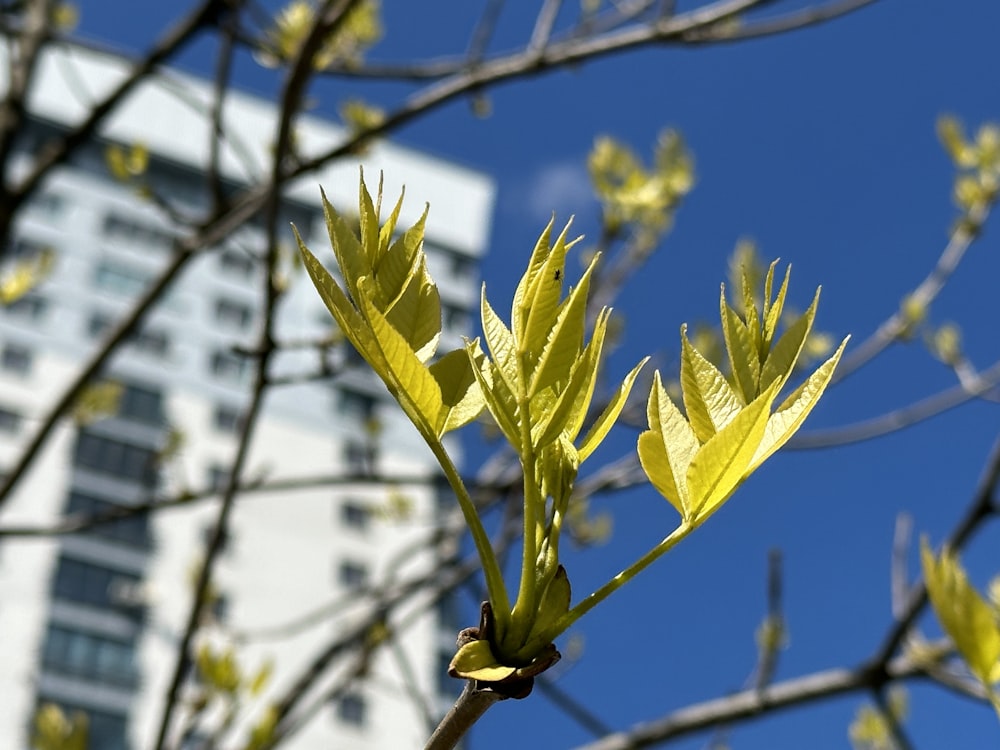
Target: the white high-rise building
pixel 91 621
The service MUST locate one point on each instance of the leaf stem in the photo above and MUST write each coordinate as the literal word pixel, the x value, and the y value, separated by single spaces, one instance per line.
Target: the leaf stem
pixel 584 606
pixel 526 606
pixel 491 568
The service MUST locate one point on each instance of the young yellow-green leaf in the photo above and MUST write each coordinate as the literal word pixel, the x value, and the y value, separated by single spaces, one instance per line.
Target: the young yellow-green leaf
pixel 539 255
pixel 723 462
pixel 965 616
pixel 348 318
pixel 400 261
pixel 710 401
pixel 500 342
pixel 497 396
pixel 541 300
pixel 25 274
pixel 792 413
pixel 750 313
pixel 552 421
pixel 475 661
pixel 742 351
pixel 461 395
pixel 260 679
pixel 389 228
pixel 565 338
pixel 416 313
pixel 368 218
pixel 351 257
pixel 603 424
pixel 667 448
pixel 581 407
pixel 407 378
pixel 782 356
pixel 656 464
pixel 55 731
pixel 772 311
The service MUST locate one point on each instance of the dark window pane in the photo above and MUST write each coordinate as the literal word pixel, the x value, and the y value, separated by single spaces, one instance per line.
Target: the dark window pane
pixel 132 530
pixel 230 366
pixel 227 419
pixel 233 314
pixel 97 586
pixel 154 342
pixel 351 709
pixel 141 404
pixel 90 656
pixel 117 458
pixel 30 306
pixel 356 515
pixel 10 420
pixel 16 358
pixel 236 264
pixel 135 233
pixel 353 575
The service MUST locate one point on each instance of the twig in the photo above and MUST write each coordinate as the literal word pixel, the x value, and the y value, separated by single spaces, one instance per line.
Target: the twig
pixel 468 709
pixel 900 418
pixel 925 293
pixel 979 509
pixel 57 153
pixel 753 703
pixel 899 577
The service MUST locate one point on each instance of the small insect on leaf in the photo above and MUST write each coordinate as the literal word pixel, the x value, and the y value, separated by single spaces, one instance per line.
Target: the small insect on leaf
pixel 557 275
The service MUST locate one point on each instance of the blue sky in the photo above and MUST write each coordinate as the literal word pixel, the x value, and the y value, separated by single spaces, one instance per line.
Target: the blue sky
pixel 820 145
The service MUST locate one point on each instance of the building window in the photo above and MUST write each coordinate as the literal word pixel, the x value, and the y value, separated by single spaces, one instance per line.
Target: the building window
pixel 120 459
pixel 104 730
pixel 119 279
pixel 355 515
pixel 93 657
pixel 30 307
pixel 357 456
pixel 454 318
pixel 48 203
pixel 351 709
pixel 352 575
pixel 233 314
pixel 227 419
pixel 99 324
pixel 355 405
pixel 135 234
pixel 133 530
pixel 154 342
pixel 141 404
pixel 24 249
pixel 236 264
pixel 230 367
pixel 86 583
pixel 218 477
pixel 10 421
pixel 16 358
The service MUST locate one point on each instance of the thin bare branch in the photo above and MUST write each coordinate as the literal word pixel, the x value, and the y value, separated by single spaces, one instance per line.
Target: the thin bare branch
pixel 899 575
pixel 753 703
pixel 980 508
pixel 925 293
pixel 788 22
pixel 58 152
pixel 544 23
pixel 23 51
pixel 900 418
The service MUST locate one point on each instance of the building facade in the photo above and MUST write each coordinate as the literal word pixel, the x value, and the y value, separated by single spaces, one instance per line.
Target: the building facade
pixel 91 621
